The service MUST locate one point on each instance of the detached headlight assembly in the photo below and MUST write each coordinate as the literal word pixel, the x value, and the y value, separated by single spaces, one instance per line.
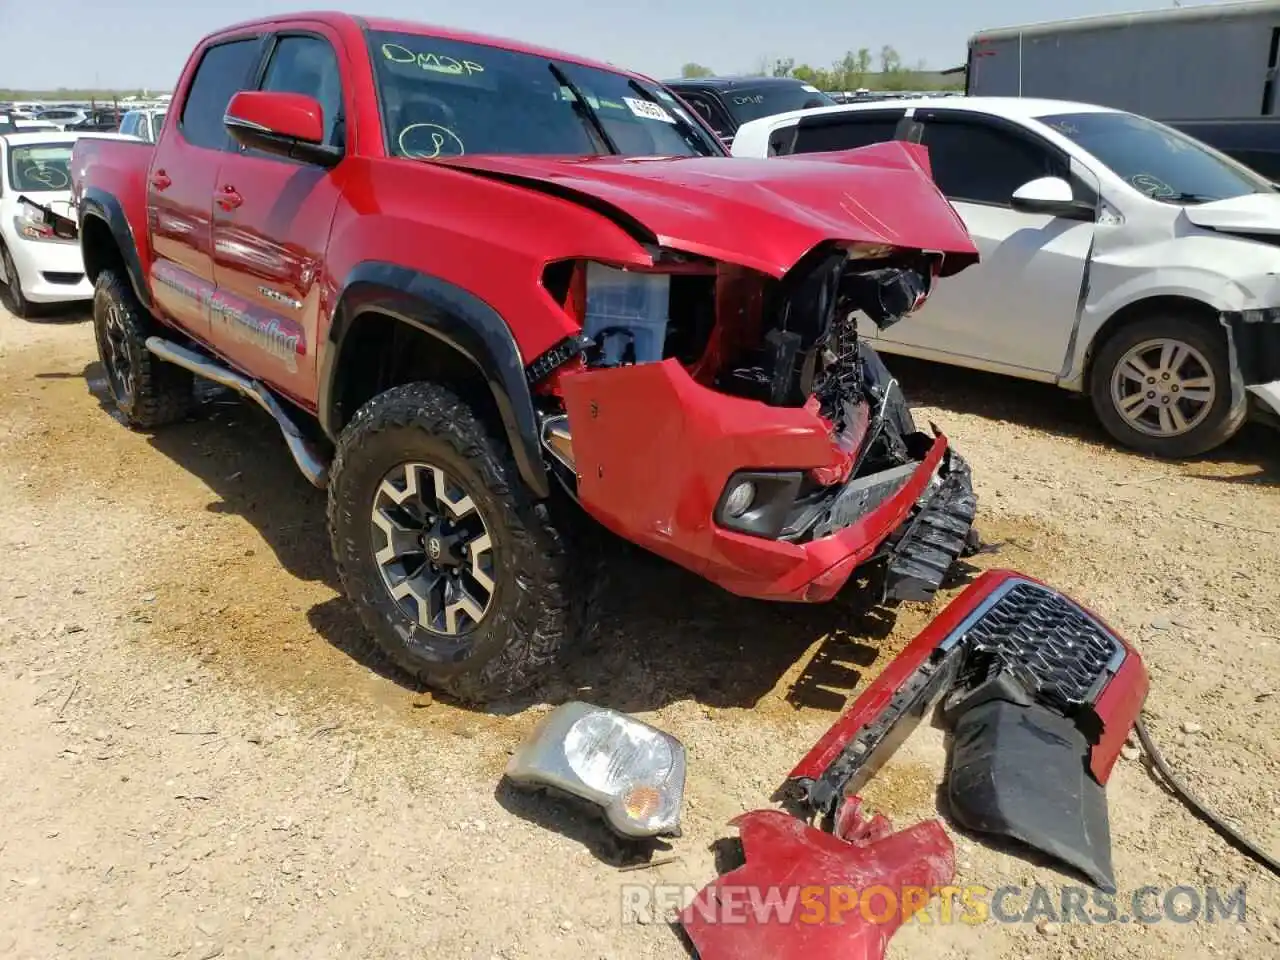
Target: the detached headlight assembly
pixel 632 771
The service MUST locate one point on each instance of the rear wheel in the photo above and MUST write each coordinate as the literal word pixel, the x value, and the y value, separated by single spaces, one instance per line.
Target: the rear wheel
pixel 1162 385
pixel 462 579
pixel 11 294
pixel 149 392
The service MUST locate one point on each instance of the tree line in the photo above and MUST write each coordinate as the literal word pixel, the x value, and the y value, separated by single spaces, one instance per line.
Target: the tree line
pixel 69 93
pixel 851 72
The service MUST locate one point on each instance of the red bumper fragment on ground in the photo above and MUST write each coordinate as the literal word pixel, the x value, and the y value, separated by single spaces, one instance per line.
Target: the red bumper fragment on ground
pixel 804 894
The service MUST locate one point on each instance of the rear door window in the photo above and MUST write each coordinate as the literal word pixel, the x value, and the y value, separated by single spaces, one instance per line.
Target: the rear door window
pixel 848 132
pixel 224 70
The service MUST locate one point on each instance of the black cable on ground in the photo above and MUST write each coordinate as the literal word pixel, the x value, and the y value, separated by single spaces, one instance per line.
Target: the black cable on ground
pixel 1198 807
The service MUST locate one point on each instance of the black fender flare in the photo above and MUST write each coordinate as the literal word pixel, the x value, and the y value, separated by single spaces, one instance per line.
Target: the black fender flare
pixel 96 202
pixel 462 322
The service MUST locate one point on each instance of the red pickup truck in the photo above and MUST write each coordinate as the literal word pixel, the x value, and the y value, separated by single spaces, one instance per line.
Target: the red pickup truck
pixel 486 289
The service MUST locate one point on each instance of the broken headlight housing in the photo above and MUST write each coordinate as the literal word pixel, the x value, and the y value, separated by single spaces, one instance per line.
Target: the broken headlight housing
pixel 632 771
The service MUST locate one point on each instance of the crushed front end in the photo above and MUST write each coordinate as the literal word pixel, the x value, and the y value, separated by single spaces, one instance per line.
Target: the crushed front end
pixel 735 424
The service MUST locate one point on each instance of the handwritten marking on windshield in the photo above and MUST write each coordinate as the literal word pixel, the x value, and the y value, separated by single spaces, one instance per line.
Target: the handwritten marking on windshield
pixel 435 62
pixel 49 177
pixel 437 141
pixel 1152 186
pixel 742 100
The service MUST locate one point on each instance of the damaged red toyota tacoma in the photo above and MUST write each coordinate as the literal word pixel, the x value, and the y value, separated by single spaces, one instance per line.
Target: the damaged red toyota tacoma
pixel 486 289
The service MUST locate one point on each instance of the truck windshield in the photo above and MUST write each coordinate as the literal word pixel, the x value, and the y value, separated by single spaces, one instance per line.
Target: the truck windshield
pixel 1156 160
pixel 446 98
pixel 40 167
pixel 752 103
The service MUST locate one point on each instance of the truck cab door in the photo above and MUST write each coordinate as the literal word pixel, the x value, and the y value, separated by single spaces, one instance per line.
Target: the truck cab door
pixel 271 221
pixel 180 183
pixel 1014 312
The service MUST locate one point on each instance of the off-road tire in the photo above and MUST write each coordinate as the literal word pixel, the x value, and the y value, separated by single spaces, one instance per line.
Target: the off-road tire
pixel 536 606
pixel 1222 421
pixel 11 294
pixel 150 393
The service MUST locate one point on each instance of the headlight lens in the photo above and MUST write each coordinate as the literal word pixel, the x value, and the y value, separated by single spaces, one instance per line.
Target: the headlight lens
pixel 740 499
pixel 30 225
pixel 757 502
pixel 633 771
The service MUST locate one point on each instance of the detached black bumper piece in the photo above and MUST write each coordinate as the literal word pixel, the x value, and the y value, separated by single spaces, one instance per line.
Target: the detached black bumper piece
pixel 1016 771
pixel 1040 695
pixel 940 531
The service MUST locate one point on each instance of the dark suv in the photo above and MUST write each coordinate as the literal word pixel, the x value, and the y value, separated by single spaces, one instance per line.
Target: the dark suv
pixel 726 103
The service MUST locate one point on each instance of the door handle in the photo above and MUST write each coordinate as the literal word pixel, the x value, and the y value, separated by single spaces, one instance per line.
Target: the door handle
pixel 160 180
pixel 227 198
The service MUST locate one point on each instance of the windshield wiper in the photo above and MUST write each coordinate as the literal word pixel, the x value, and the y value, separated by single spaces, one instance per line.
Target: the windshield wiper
pixel 582 108
pixel 1189 198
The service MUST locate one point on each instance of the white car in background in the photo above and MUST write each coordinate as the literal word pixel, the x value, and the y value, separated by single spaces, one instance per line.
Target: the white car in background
pixel 35 265
pixel 143 123
pixel 1119 257
pixel 63 117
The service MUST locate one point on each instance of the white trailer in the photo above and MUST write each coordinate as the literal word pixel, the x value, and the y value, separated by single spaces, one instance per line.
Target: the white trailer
pixel 1204 62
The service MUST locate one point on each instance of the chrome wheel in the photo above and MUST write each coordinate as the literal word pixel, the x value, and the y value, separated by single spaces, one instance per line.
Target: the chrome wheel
pixel 1163 387
pixel 432 549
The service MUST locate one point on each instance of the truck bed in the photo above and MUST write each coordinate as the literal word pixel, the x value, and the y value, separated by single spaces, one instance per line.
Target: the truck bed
pixel 110 174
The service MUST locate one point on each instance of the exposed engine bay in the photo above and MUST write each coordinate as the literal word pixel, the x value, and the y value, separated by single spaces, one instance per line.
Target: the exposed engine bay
pixel 759 392
pixel 791 342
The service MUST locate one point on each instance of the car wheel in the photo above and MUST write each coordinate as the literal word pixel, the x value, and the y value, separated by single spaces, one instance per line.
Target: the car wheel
pixel 1162 385
pixel 11 289
pixel 462 579
pixel 147 391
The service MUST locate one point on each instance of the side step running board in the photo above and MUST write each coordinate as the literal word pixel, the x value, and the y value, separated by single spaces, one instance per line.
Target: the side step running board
pixel 314 465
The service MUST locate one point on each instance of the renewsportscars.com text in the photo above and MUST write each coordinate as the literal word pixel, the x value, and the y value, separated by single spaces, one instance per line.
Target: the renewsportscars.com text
pixel 970 904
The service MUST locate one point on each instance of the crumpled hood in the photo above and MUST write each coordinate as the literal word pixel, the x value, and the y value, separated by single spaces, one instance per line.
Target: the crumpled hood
pixel 763 214
pixel 1251 213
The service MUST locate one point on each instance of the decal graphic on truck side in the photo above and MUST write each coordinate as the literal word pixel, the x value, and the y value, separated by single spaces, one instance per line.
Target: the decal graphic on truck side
pixel 236 318
pixel 273 335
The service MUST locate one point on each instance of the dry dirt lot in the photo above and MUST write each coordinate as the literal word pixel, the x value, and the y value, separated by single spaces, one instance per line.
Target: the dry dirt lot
pixel 195 766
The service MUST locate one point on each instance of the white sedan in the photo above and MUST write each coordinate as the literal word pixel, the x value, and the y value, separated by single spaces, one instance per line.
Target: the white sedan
pixel 1118 257
pixel 35 265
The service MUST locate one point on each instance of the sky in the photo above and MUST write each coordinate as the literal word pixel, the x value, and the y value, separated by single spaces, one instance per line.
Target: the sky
pixel 144 43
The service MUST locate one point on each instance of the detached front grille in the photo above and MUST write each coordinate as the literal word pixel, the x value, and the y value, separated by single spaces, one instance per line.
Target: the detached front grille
pixel 1052 647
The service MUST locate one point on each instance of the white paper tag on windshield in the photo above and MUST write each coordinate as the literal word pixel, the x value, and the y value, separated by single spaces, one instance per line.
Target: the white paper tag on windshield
pixel 809 87
pixel 648 110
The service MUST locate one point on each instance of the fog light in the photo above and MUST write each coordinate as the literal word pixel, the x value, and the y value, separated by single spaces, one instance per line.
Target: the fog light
pixel 632 771
pixel 740 499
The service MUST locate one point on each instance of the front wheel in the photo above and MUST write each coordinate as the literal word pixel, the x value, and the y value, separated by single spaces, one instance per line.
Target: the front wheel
pixel 459 575
pixel 1162 386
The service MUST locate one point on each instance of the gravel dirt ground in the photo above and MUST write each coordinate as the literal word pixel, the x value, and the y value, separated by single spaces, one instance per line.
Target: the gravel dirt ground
pixel 195 765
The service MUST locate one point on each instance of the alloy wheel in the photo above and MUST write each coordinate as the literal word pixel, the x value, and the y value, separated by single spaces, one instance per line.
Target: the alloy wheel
pixel 115 355
pixel 433 549
pixel 1163 387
